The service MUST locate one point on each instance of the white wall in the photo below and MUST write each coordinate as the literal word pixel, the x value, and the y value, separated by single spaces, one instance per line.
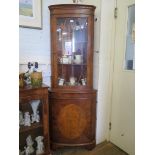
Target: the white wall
pixel 35 46
pixel 105 67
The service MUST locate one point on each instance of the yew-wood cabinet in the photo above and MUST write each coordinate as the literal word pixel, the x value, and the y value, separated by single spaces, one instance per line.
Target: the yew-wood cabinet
pixel 72 99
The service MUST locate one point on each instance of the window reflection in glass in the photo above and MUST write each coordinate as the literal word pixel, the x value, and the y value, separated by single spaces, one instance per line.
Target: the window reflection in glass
pixel 130 40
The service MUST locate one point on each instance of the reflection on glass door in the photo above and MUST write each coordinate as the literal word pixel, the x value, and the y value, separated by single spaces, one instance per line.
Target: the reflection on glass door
pixel 130 40
pixel 72 38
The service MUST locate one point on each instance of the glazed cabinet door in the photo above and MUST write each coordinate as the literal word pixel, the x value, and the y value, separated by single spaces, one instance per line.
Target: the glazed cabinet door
pixel 72 51
pixel 33 121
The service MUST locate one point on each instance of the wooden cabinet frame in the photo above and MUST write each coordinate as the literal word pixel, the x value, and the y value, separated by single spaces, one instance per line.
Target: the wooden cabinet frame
pixel 72 107
pixel 27 94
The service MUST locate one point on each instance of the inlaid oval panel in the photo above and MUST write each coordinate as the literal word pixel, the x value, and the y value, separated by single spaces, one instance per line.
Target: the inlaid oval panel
pixel 72 121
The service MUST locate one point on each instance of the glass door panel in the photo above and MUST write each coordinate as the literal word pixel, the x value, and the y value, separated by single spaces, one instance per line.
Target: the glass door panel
pixel 72 40
pixel 30 123
pixel 130 40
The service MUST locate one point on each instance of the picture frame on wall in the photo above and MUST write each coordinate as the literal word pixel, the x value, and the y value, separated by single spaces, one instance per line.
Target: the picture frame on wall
pixel 30 14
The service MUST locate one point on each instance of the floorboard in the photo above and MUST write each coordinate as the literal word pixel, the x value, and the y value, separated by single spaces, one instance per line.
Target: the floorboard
pixel 101 149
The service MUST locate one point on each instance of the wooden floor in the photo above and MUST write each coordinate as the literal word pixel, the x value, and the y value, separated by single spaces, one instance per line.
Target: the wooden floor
pixel 105 148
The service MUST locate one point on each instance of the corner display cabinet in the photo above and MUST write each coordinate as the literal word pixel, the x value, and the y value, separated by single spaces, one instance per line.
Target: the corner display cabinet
pixel 34 131
pixel 72 99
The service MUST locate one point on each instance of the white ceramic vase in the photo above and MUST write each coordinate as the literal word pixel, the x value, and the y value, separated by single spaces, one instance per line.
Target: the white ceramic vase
pixel 72 80
pixel 78 59
pixel 35 116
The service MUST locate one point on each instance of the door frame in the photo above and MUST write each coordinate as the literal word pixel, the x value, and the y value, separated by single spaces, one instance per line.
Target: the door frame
pixel 121 59
pixel 106 58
